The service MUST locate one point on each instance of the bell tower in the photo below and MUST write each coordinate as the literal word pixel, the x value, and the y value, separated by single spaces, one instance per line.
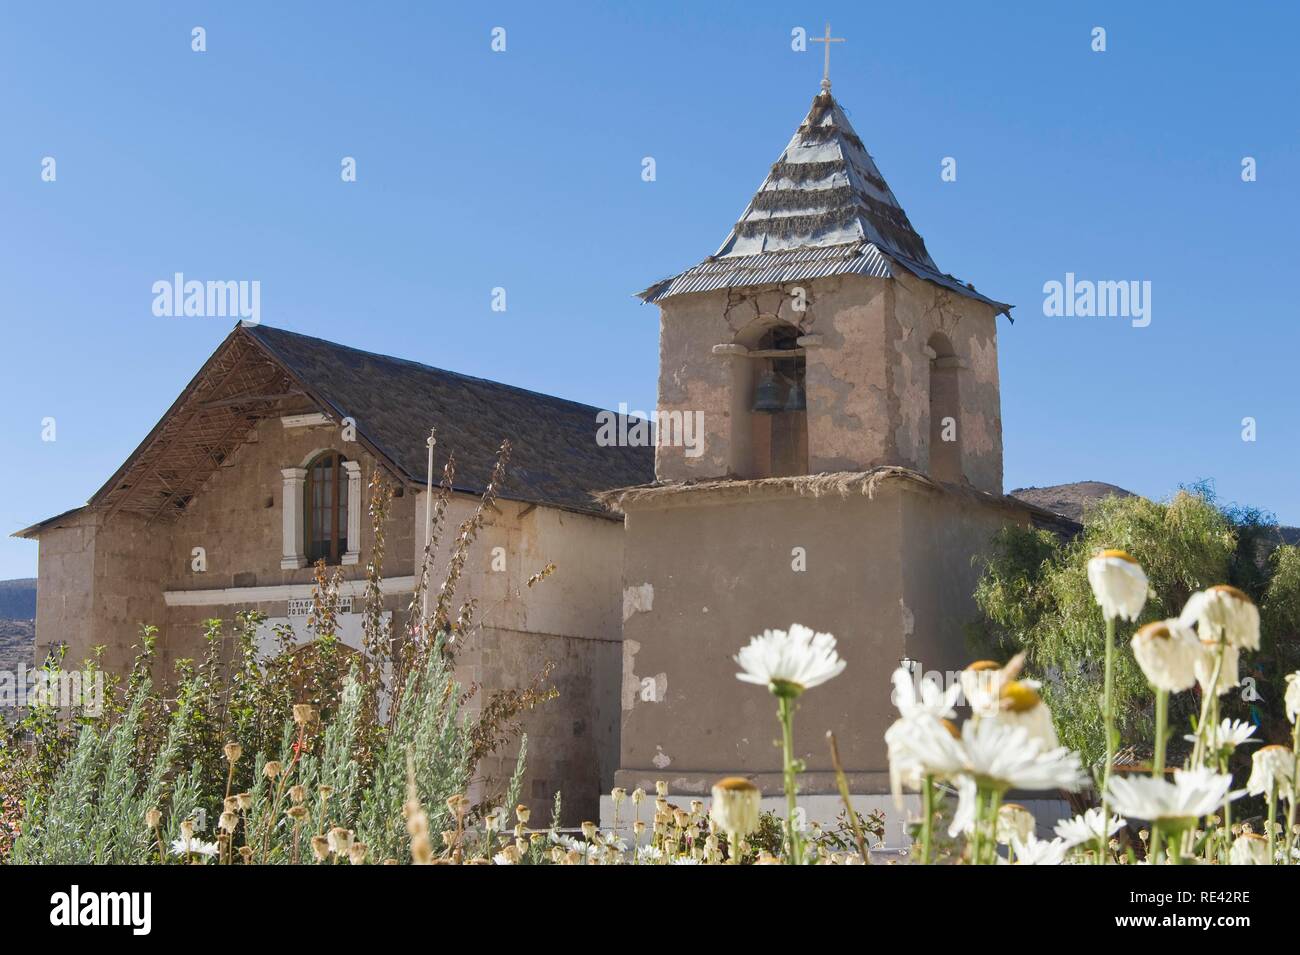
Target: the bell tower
pixel 821 336
pixel 850 470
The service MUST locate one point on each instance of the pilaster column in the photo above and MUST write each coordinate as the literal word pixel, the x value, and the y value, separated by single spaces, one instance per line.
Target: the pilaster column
pixel 353 553
pixel 292 552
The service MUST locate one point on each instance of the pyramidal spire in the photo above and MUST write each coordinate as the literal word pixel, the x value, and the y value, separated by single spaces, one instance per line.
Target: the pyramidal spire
pixel 825 190
pixel 824 209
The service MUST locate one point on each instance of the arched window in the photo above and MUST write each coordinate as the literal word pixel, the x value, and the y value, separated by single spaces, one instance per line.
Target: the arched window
pixel 945 411
pixel 780 405
pixel 325 509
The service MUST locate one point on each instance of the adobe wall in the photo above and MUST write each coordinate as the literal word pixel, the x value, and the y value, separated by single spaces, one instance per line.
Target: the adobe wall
pixel 64 599
pixel 571 619
pixel 867 380
pixel 888 574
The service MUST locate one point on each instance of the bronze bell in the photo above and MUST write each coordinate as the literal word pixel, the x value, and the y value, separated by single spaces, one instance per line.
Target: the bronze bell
pixel 797 401
pixel 767 396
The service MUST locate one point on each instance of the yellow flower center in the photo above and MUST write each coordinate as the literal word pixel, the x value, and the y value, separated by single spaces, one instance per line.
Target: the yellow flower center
pixel 1019 697
pixel 979 665
pixel 1121 554
pixel 951 727
pixel 735 784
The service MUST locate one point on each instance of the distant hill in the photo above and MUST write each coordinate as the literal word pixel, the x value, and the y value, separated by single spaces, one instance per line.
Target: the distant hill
pixel 18 599
pixel 1074 501
pixel 17 622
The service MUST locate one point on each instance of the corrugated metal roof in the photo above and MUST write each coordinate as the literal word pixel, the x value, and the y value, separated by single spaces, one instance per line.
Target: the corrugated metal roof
pixel 824 209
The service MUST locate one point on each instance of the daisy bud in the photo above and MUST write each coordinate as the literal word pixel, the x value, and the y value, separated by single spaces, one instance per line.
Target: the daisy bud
pixel 522 813
pixel 557 855
pixel 536 839
pixel 661 804
pixel 320 848
pixel 682 818
pixel 357 853
pixel 661 788
pixel 228 822
pixel 187 830
pixel 296 813
pixel 233 751
pixel 246 854
pixel 1167 652
pixel 325 792
pixel 272 769
pixel 521 846
pixel 618 794
pixel 230 804
pixel 245 801
pixel 297 793
pixel 1271 766
pixel 1223 612
pixel 697 806
pixel 152 818
pixel 304 714
pixel 1118 584
pixel 638 827
pixel 448 837
pixel 589 830
pixel 638 794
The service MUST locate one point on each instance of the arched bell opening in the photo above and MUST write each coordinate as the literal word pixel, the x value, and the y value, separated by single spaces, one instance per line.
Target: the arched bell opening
pixel 945 411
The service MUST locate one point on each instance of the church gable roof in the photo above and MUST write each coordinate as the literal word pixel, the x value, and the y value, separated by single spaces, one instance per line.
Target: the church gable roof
pixel 824 209
pixel 554 457
pixel 260 372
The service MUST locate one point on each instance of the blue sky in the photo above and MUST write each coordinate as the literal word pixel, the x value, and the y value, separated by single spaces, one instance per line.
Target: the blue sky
pixel 522 170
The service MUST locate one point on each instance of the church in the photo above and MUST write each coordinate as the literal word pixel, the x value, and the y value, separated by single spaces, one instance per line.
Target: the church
pixel 848 473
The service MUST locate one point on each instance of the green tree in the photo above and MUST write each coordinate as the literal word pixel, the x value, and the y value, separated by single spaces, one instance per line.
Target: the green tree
pixel 1034 596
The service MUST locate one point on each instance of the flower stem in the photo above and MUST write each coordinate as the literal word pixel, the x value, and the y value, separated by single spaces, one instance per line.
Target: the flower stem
pixel 1162 733
pixel 927 824
pixel 1271 825
pixel 1108 717
pixel 786 712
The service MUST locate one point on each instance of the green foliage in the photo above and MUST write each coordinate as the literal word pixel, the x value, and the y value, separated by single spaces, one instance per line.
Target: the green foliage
pixel 1034 596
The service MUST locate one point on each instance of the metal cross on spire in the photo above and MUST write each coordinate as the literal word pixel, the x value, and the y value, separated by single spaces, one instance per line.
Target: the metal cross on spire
pixel 828 40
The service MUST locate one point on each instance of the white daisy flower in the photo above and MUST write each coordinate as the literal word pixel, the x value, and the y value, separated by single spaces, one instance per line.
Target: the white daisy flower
pixel 1034 851
pixel 503 858
pixel 1224 611
pixel 1228 672
pixel 1193 793
pixel 1227 735
pixel 1249 848
pixel 1004 757
pixel 1118 583
pixel 982 682
pixel 932 700
pixel 1293 696
pixel 1271 766
pixel 919 747
pixel 183 847
pixel 1167 652
pixel 921 741
pixel 789 662
pixel 649 854
pixel 685 860
pixel 1087 828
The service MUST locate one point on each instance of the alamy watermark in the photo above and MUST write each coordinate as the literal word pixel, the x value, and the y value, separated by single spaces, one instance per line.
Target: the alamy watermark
pixel 213 299
pixel 1085 298
pixel 81 691
pixel 636 429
